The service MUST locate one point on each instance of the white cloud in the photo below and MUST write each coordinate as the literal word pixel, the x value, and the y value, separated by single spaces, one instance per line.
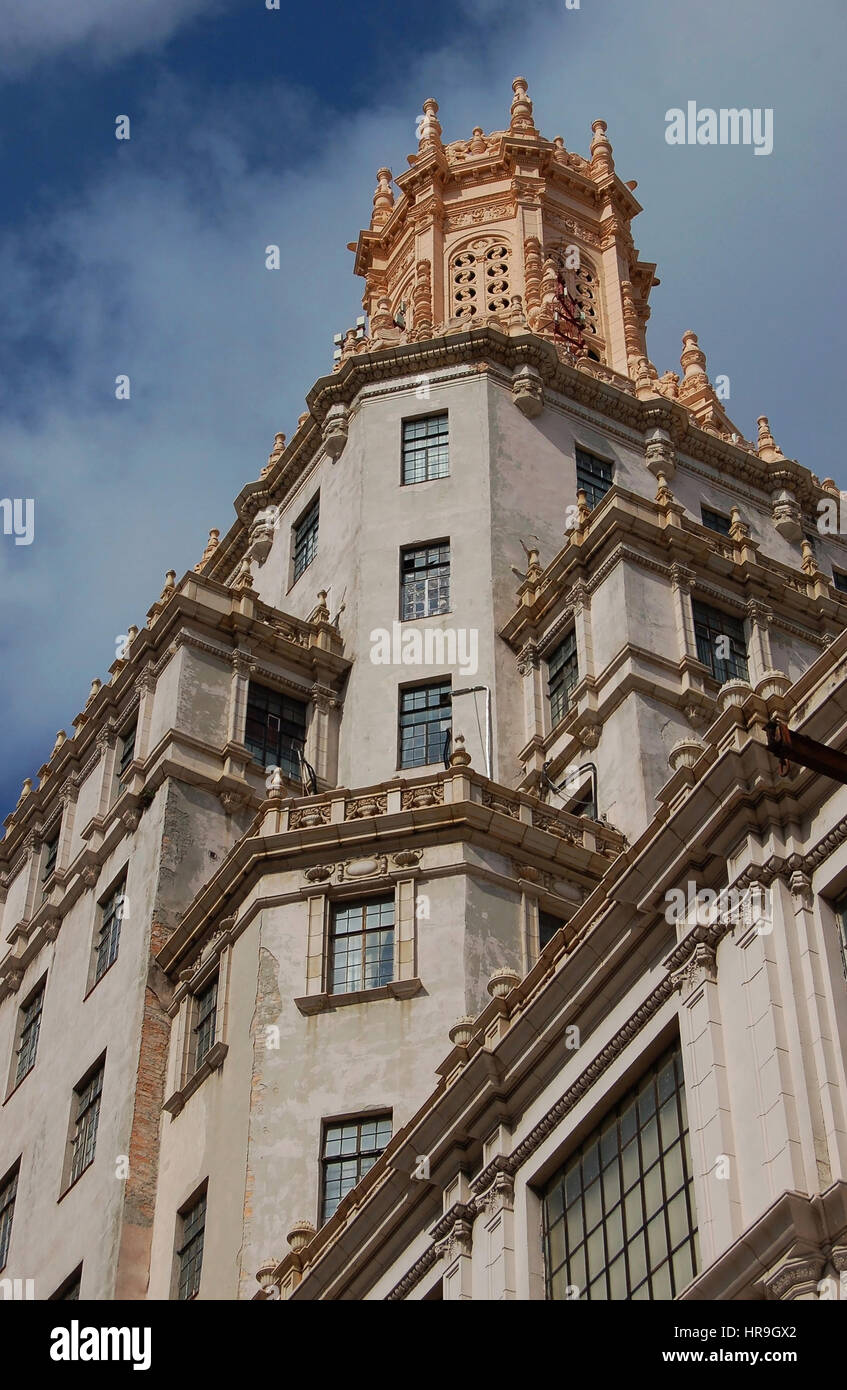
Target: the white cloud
pixel 98 30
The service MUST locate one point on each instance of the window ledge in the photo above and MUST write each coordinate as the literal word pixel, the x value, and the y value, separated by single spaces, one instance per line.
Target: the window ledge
pixel 326 1003
pixel 211 1062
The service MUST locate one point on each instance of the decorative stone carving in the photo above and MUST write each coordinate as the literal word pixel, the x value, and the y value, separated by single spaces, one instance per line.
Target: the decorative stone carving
pixel 407 858
pixel 502 982
pixel 363 806
pixel 787 517
pixel 794 1278
pixel 305 817
pixel 372 867
pixel 89 876
pixel 701 967
pixel 462 1031
pixel 528 659
pixel 774 684
pixel 300 1235
pixel 528 392
pixel 14 979
pixel 733 692
pixel 335 430
pixel 131 819
pixel 232 800
pixel 460 757
pixel 415 798
pixel 319 873
pixel 685 753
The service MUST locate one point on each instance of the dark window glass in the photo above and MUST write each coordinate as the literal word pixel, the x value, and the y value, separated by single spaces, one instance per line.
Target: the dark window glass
pixel 548 925
pixel 593 476
pixel 206 1006
pixel 619 1217
pixel 127 752
pixel 190 1252
pixel 350 1150
pixel 51 852
pixel 8 1193
pixel 110 930
pixel 721 644
pixel 563 674
pixel 362 945
pixel 30 1024
pixel 275 731
pixel 716 521
pixel 425 450
pixel 425 581
pixel 425 713
pixel 839 579
pixel 306 538
pixel 87 1097
pixel 841 914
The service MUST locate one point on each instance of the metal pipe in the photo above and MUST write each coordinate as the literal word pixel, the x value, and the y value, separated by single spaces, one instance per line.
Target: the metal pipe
pixel 473 690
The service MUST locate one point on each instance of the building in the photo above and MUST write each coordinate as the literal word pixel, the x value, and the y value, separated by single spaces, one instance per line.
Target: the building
pixel 417 910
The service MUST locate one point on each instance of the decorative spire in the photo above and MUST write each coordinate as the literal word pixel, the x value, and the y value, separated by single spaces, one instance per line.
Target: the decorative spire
pixel 430 128
pixel 767 447
pixel 521 122
pixel 383 199
pixel 738 529
pixel 95 687
pixel 560 153
pixel 478 144
pixel 460 757
pixel 664 496
pixel 27 788
pixel 60 739
pixel 211 544
pixel 693 358
pixel 601 149
pixel 810 564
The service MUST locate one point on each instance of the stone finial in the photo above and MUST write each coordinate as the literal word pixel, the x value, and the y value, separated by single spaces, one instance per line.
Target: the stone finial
pixel 583 509
pixel 244 578
pixel 170 586
pixel 321 613
pixel 211 547
pixel 61 737
pixel 95 687
pixel 25 791
pixel 131 634
pixel 265 1274
pixel 809 564
pixel 429 127
pixel 462 1031
pixel 383 199
pixel 830 484
pixel 478 144
pixel 502 982
pixel 766 446
pixel 693 358
pixel 738 529
pixel 601 149
pixel 664 496
pixel 382 320
pixel 460 757
pixel 560 153
pixel 300 1235
pixel 301 419
pixel 422 299
pixel 521 122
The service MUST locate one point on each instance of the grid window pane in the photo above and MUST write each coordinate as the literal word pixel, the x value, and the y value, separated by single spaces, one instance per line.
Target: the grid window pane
pixel 594 476
pixel 645 1246
pixel 424 581
pixel 190 1252
pixel 721 644
pixel 8 1194
pixel 306 538
pixel 425 449
pixel 563 674
pixel 275 729
pixel 361 947
pixel 110 931
pixel 127 752
pixel 716 521
pixel 206 1012
pixel 839 579
pixel 425 715
pixel 84 1136
pixel 350 1150
pixel 30 1025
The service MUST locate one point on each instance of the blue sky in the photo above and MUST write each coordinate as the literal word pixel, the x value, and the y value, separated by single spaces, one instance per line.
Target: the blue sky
pixel 252 127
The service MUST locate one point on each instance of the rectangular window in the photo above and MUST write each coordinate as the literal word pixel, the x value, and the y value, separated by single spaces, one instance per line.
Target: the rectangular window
pixel 619 1217
pixel 275 732
pixel 563 674
pixel 350 1150
pixel 361 945
pixel 30 1027
pixel 425 714
pixel 716 521
pixel 424 581
pixel 86 1118
pixel 51 854
pixel 548 925
pixel 841 914
pixel 8 1193
pixel 112 910
pixel 190 1252
pixel 206 1012
pixel 425 449
pixel 839 579
pixel 306 538
pixel 127 752
pixel 594 476
pixel 721 644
